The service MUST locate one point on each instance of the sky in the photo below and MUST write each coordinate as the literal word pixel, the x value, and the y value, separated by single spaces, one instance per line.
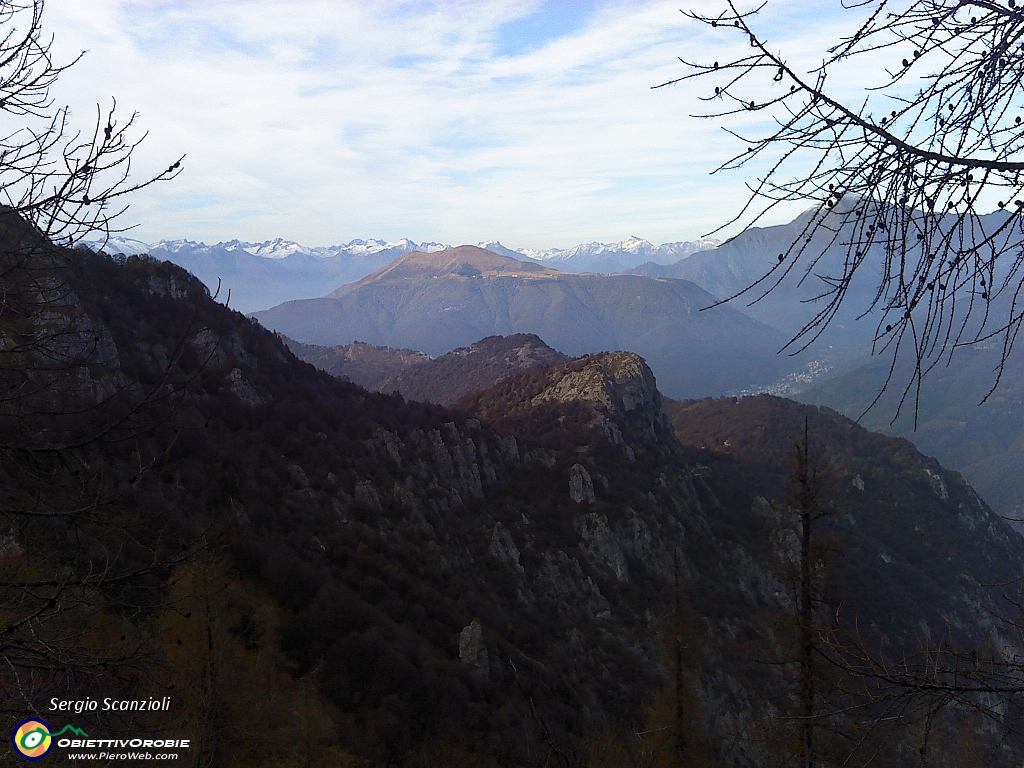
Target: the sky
pixel 531 123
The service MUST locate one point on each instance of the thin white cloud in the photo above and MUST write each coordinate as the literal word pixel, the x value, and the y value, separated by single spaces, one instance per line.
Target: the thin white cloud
pixel 322 122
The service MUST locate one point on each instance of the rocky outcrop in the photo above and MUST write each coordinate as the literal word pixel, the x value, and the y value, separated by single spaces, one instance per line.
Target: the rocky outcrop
pixel 937 484
pixel 503 548
pixel 614 384
pixel 581 486
pixel 455 462
pixel 245 391
pixel 561 580
pixel 472 651
pixel 601 544
pixel 219 349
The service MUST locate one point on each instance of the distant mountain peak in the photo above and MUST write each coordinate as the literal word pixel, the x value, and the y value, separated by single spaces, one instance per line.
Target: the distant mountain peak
pixel 483 259
pixel 263 274
pixel 174 246
pixel 464 261
pixel 585 257
pixel 495 247
pixel 118 244
pixel 276 248
pixel 618 257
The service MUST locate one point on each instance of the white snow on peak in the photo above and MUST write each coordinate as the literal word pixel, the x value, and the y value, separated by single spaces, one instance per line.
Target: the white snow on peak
pixel 495 247
pixel 275 249
pixel 604 257
pixel 626 252
pixel 635 244
pixel 371 247
pixel 117 244
pixel 176 246
pixel 278 248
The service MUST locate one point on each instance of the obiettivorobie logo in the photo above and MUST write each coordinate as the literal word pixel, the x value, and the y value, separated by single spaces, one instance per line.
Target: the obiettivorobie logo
pixel 32 738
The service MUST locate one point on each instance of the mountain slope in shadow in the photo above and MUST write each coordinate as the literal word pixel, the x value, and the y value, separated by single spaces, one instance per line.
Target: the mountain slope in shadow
pixel 441 380
pixel 982 438
pixel 400 584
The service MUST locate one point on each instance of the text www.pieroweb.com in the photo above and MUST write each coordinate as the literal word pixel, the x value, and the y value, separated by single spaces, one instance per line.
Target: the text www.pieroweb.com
pixel 122 749
pixel 122 756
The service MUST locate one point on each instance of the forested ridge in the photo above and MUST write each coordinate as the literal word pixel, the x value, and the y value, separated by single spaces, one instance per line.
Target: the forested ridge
pixel 550 573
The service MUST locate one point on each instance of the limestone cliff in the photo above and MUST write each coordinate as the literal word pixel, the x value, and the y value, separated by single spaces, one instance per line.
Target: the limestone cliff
pixel 616 385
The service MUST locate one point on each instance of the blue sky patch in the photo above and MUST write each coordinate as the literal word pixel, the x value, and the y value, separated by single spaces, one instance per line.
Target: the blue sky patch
pixel 409 61
pixel 551 20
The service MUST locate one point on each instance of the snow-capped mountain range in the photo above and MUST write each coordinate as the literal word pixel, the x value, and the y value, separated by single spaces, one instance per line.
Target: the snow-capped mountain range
pixel 278 248
pixel 632 249
pixel 261 275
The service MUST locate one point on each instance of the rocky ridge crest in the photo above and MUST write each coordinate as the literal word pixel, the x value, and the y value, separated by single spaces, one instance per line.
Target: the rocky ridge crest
pixel 613 385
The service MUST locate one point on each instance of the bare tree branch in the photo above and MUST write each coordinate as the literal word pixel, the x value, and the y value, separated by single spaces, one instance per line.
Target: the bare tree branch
pixel 897 181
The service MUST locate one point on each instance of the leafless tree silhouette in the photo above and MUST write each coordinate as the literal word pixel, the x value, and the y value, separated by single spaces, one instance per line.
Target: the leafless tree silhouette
pixel 897 181
pixel 67 181
pixel 74 568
